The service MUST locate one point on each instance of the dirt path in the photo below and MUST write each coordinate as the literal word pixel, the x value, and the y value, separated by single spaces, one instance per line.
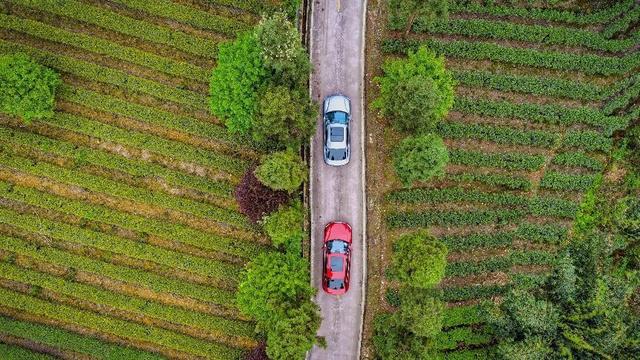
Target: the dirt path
pixel 337 194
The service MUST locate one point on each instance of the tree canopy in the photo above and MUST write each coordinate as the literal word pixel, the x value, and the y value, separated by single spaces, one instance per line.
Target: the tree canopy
pixel 284 227
pixel 420 158
pixel 282 170
pixel 27 89
pixel 415 93
pixel 419 259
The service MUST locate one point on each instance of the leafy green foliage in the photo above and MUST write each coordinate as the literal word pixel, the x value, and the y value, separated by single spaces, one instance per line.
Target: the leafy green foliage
pixel 419 259
pixel 393 342
pixel 507 160
pixel 294 333
pixel 419 312
pixel 627 217
pixel 402 13
pixel 420 158
pixel 283 117
pixel 27 89
pixel 415 93
pixel 282 170
pixel 284 227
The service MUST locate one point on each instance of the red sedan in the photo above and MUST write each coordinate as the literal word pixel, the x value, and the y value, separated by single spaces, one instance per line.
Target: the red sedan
pixel 336 258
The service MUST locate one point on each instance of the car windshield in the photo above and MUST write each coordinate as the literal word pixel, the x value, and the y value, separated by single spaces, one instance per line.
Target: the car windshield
pixel 337 117
pixel 337 247
pixel 336 284
pixel 337 154
pixel 336 264
pixel 336 134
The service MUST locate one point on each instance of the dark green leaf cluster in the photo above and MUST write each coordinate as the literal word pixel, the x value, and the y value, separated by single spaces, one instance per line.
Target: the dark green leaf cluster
pixel 27 89
pixel 578 159
pixel 444 218
pixel 510 182
pixel 420 158
pixel 587 140
pixel 502 263
pixel 543 234
pixel 570 182
pixel 283 170
pixel 419 260
pixel 284 228
pixel 497 134
pixel 508 160
pixel 625 98
pixel 622 24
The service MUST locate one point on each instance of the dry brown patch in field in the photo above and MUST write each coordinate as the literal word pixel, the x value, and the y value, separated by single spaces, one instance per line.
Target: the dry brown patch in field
pixel 477 254
pixel 127 67
pixel 125 315
pixel 115 230
pixel 528 245
pixel 439 231
pixel 78 193
pixel 86 331
pixel 471 302
pixel 530 269
pixel 493 278
pixel 42 348
pixel 492 147
pixel 96 31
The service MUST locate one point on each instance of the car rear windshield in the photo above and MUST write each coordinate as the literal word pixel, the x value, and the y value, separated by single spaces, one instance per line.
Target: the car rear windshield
pixel 336 284
pixel 337 117
pixel 336 134
pixel 336 264
pixel 337 154
pixel 337 247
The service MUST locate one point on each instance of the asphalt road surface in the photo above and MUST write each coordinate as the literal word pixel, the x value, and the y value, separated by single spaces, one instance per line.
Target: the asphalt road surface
pixel 337 40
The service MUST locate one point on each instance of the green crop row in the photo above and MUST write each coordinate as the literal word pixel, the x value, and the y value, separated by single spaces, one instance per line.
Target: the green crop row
pixel 627 96
pixel 587 140
pixel 586 63
pixel 623 23
pixel 578 159
pixel 150 115
pixel 104 47
pixel 452 294
pixel 570 182
pixel 502 263
pixel 498 134
pixel 546 114
pixel 538 34
pixel 545 234
pixel 126 303
pixel 62 233
pixel 141 225
pixel 137 168
pixel 52 336
pixel 115 327
pixel 510 182
pixel 556 15
pixel 452 218
pixel 14 352
pixel 128 26
pixel 507 160
pixel 93 72
pixel 451 339
pixel 530 84
pixel 551 206
pixel 485 352
pixel 188 15
pixel 138 278
pixel 461 315
pixel 120 190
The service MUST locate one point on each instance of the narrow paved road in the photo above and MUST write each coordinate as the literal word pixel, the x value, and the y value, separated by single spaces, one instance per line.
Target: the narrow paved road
pixel 337 40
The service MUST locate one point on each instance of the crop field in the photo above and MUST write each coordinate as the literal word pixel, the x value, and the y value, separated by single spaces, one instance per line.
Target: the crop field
pixel 119 234
pixel 541 94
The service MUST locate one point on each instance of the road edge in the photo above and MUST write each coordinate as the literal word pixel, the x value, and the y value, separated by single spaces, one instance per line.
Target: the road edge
pixel 311 220
pixel 364 175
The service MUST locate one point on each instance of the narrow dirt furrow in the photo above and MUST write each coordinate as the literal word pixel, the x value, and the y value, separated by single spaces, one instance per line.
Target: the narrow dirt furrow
pixel 43 348
pixel 520 98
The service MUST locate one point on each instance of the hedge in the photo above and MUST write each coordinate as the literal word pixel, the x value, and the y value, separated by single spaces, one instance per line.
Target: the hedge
pixel 120 190
pixel 577 159
pixel 115 22
pixel 138 278
pixel 530 84
pixel 15 352
pixel 462 315
pixel 586 63
pixel 452 218
pixel 510 182
pixel 132 304
pixel 628 96
pixel 104 47
pixel 545 234
pixel 120 328
pixel 507 160
pixel 587 140
pixel 623 23
pixel 451 339
pixel 538 34
pixel 498 134
pixel 570 182
pixel 143 226
pixel 501 263
pixel 66 340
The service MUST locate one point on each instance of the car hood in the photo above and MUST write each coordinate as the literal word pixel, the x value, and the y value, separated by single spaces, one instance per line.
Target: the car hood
pixel 337 103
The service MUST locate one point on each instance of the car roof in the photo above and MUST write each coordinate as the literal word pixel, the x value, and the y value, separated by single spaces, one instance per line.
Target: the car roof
pixel 341 130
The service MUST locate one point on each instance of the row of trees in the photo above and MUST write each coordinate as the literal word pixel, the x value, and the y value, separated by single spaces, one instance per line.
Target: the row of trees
pixel 259 89
pixel 418 263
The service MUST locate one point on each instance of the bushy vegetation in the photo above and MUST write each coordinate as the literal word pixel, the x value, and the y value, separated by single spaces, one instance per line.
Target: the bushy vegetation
pixel 282 170
pixel 420 158
pixel 419 260
pixel 27 89
pixel 284 228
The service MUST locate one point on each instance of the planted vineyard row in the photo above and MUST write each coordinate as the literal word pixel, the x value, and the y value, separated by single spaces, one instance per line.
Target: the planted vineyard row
pixel 120 235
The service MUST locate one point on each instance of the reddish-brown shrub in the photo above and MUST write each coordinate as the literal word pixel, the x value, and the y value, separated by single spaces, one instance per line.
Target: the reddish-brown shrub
pixel 258 353
pixel 256 200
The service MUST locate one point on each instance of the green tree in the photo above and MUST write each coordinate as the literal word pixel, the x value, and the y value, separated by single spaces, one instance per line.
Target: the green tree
pixel 235 83
pixel 282 51
pixel 417 92
pixel 273 282
pixel 294 334
pixel 395 342
pixel 419 259
pixel 284 227
pixel 282 170
pixel 420 158
pixel 420 312
pixel 27 89
pixel 530 349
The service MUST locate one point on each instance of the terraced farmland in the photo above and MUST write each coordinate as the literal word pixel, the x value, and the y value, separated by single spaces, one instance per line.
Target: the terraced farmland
pixel 119 234
pixel 541 93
